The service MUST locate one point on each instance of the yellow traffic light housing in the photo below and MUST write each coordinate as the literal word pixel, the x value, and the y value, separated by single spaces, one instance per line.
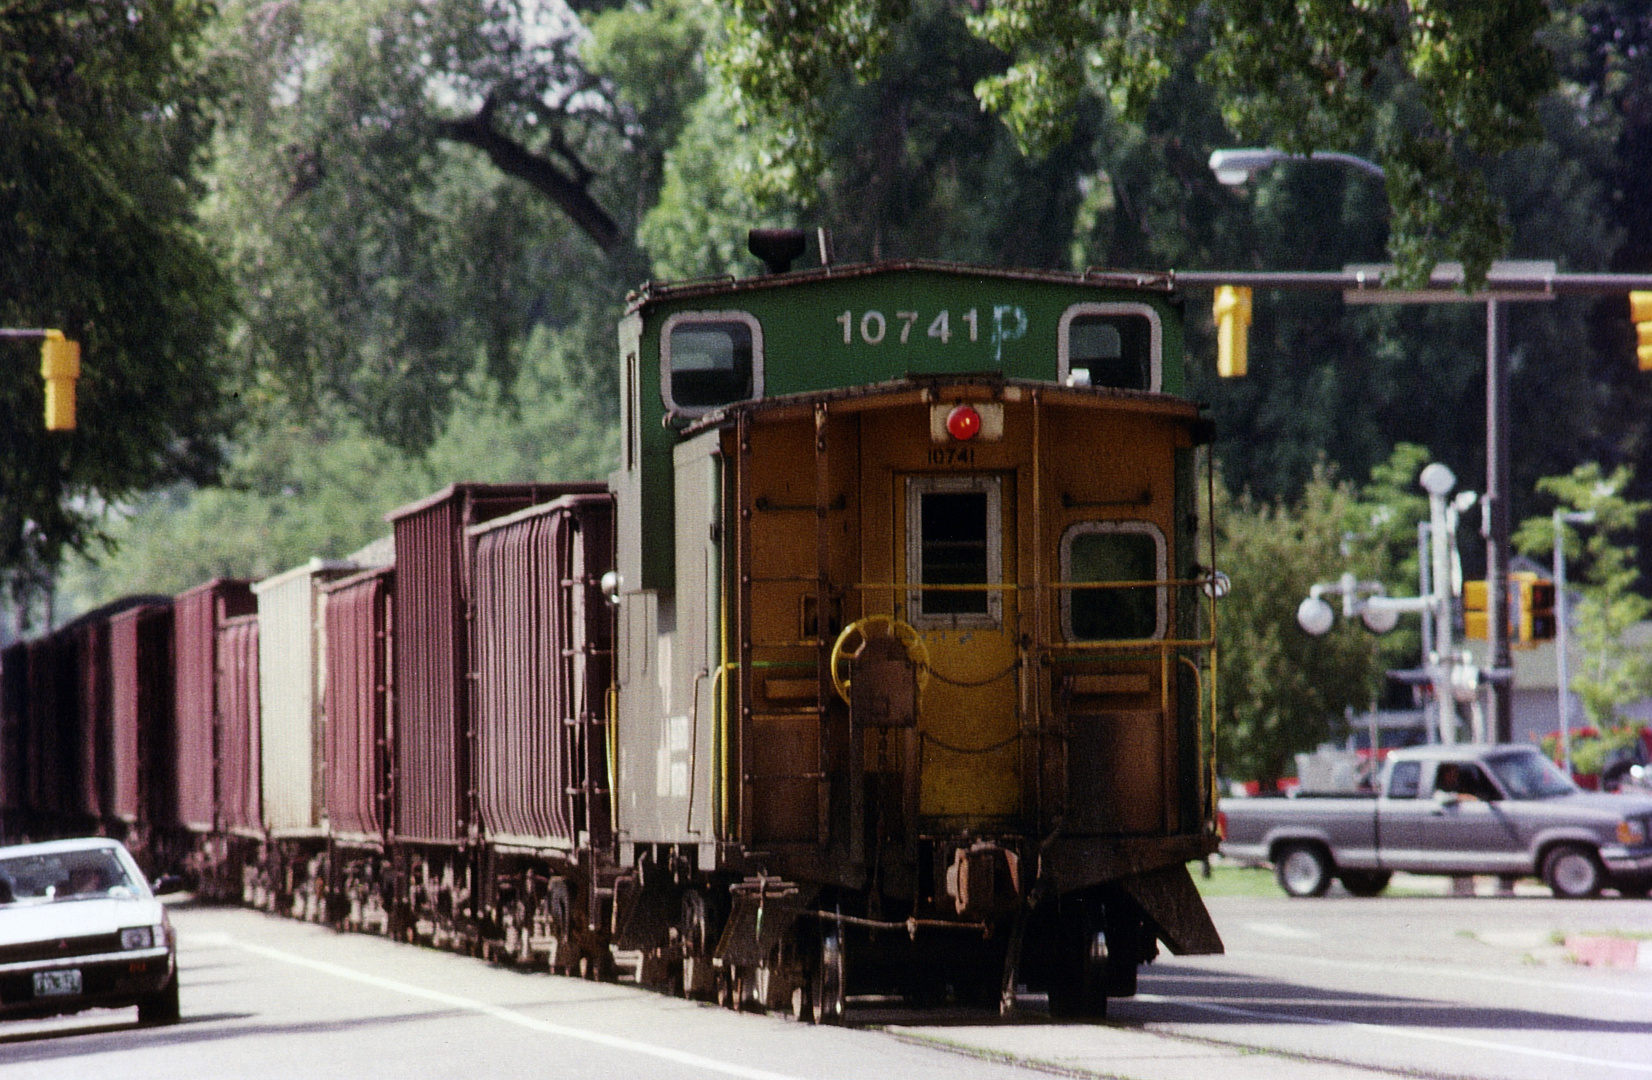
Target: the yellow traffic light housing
pixel 1529 611
pixel 60 366
pixel 1232 311
pixel 1640 312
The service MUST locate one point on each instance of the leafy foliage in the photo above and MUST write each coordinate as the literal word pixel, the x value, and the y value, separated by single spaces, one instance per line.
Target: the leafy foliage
pixel 1614 672
pixel 1280 690
pixel 1436 88
pixel 99 105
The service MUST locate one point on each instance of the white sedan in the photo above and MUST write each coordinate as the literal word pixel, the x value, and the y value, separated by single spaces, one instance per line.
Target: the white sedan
pixel 81 929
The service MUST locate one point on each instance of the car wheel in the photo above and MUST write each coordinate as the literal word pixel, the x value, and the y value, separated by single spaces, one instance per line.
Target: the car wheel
pixel 161 1008
pixel 1365 882
pixel 1573 872
pixel 1303 870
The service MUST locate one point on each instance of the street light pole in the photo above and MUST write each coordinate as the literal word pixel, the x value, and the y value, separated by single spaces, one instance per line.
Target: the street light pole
pixel 1563 676
pixel 1495 522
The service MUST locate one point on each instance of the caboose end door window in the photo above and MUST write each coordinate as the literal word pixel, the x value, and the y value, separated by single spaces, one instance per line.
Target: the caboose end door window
pixel 954 539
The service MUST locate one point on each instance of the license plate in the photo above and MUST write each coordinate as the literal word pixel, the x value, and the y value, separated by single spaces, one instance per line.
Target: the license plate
pixel 56 983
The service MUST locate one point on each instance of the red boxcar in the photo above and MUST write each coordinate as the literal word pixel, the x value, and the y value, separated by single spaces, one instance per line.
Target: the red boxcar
pixel 432 651
pixel 240 808
pixel 357 700
pixel 196 615
pixel 542 646
pixel 14 701
pixel 140 661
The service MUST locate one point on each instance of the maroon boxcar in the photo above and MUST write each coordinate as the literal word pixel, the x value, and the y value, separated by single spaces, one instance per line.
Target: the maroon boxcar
pixel 542 647
pixel 240 787
pixel 14 701
pixel 432 652
pixel 196 615
pixel 140 661
pixel 357 699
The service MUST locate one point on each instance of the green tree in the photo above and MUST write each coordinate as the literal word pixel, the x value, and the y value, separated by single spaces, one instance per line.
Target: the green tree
pixel 1432 90
pixel 321 488
pixel 1614 672
pixel 1281 691
pixel 98 177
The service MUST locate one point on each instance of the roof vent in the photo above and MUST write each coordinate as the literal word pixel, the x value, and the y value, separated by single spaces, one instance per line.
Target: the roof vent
pixel 778 248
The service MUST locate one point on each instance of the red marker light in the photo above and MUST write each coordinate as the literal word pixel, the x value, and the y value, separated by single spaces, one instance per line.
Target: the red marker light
pixel 963 423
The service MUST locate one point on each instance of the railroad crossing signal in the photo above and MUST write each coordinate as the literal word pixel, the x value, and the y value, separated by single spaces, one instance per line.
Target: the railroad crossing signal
pixel 1232 311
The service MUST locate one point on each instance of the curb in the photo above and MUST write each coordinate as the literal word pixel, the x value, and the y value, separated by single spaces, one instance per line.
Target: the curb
pixel 1609 952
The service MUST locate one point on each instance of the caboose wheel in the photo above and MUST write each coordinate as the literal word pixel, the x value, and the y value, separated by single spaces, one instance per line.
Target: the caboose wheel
pixel 828 990
pixel 854 637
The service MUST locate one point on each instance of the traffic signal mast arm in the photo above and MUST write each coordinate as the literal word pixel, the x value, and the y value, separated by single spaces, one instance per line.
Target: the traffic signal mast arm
pixel 60 367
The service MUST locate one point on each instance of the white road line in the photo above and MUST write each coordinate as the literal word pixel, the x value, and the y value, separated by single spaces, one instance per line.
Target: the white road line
pixel 1441 971
pixel 509 1016
pixel 1281 930
pixel 1412 1033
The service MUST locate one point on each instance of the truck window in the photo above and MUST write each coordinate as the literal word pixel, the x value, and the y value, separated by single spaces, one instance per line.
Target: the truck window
pixel 1464 778
pixel 1405 779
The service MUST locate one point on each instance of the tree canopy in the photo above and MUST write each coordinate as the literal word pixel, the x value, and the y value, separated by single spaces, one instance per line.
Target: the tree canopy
pixel 101 106
pixel 1432 91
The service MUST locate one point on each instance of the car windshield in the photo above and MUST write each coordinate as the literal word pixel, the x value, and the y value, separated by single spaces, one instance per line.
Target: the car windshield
pixel 1527 774
pixel 64 875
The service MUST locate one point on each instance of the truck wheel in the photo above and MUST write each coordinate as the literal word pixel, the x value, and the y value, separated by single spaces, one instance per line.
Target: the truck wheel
pixel 1365 882
pixel 1303 870
pixel 1573 872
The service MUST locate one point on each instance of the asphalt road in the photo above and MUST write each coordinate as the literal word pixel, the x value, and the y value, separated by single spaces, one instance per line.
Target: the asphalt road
pixel 1332 988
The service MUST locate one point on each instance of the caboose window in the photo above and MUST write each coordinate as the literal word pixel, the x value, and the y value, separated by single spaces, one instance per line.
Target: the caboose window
pixel 709 359
pixel 954 539
pixel 1101 552
pixel 1114 345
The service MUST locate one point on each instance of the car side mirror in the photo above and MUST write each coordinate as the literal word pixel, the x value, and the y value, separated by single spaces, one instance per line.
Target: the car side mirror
pixel 168 883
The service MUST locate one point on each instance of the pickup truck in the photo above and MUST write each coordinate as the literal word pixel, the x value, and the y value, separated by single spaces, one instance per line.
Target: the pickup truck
pixel 1455 810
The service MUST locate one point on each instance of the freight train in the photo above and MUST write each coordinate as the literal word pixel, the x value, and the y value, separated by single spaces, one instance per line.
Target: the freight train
pixel 883 663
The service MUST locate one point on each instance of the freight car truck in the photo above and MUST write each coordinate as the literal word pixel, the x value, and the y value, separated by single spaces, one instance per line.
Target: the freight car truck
pixel 1457 810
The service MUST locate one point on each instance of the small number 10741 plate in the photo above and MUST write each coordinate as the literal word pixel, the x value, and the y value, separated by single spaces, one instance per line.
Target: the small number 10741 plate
pixel 56 983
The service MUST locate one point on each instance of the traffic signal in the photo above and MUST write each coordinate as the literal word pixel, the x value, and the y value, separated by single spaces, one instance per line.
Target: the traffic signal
pixel 1232 311
pixel 1640 312
pixel 1474 610
pixel 1530 610
pixel 1537 621
pixel 60 366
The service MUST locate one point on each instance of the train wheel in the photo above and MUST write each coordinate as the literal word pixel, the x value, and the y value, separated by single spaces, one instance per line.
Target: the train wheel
pixel 803 1009
pixel 829 999
pixel 1078 988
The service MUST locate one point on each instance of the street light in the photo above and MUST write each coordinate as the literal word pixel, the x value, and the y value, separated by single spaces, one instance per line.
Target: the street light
pixel 1454 677
pixel 1562 518
pixel 1235 167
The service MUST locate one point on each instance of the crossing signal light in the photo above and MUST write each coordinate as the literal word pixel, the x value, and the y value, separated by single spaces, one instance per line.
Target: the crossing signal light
pixel 60 366
pixel 1640 312
pixel 1232 311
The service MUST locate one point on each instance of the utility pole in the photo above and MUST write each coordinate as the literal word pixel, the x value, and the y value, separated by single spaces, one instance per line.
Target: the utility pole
pixel 1506 282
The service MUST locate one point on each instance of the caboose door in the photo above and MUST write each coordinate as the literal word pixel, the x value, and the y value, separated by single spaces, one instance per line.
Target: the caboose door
pixel 955 535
